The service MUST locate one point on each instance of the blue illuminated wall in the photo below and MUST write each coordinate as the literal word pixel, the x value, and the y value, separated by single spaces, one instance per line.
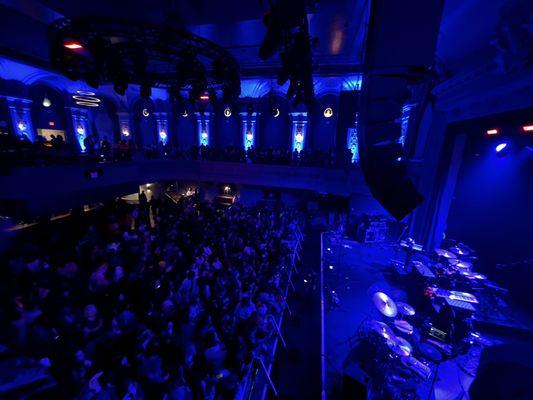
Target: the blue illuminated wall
pixel 274 131
pixel 322 130
pixel 226 129
pixel 186 130
pixel 492 206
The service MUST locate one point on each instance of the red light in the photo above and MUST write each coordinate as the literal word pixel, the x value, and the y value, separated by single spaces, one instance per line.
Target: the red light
pixel 493 132
pixel 527 128
pixel 204 97
pixel 73 45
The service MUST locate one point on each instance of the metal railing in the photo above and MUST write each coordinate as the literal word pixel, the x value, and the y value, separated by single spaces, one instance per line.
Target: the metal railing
pixel 257 380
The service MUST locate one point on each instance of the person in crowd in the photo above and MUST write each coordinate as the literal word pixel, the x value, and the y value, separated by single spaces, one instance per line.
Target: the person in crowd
pixel 125 309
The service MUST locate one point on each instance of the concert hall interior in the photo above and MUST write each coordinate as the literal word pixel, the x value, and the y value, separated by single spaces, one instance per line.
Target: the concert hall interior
pixel 266 199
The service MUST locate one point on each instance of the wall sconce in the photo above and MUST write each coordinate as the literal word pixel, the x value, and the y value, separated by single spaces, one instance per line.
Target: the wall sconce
pixel 204 135
pixel 299 137
pixel 227 112
pixel 46 102
pixel 249 136
pixel 22 126
pixel 125 132
pixel 328 112
pixel 163 135
pixel 81 130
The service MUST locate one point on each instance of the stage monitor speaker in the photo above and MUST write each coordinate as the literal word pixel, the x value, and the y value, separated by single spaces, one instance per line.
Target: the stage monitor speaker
pixel 352 389
pixel 400 47
pixel 504 372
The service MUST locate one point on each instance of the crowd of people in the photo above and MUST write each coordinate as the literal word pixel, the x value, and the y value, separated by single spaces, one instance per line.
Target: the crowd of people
pixel 159 300
pixel 57 150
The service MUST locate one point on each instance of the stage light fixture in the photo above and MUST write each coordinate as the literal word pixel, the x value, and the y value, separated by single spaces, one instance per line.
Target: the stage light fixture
pixel 328 112
pixel 146 90
pixel 227 112
pixel 185 114
pixel 145 112
pixel 120 87
pixel 501 147
pixel 46 102
pixel 527 129
pixel 275 112
pixel 492 132
pixel 72 45
pixel 87 103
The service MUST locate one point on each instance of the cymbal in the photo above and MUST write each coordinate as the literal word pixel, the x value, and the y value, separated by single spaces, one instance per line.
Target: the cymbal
pixel 405 309
pixel 385 304
pixel 473 275
pixel 464 265
pixel 382 329
pixel 445 253
pixel 403 326
pixel 460 250
pixel 400 347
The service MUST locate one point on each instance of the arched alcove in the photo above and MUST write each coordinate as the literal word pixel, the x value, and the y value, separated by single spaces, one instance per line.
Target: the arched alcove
pixel 274 131
pixel 226 130
pixel 322 129
pixel 48 113
pixel 105 120
pixel 145 126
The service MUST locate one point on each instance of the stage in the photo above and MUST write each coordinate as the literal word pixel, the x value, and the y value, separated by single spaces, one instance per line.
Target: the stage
pixel 352 273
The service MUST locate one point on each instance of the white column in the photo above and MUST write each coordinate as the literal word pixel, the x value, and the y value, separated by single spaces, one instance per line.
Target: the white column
pixel 248 128
pixel 298 130
pixel 80 124
pixel 162 126
pixel 204 128
pixel 124 123
pixel 21 117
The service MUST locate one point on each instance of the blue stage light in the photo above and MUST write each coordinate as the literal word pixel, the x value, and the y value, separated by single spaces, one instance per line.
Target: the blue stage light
pixel 501 147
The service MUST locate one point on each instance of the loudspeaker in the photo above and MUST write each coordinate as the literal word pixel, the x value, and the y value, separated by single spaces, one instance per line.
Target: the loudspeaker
pixel 387 180
pixel 504 373
pixel 353 389
pixel 400 44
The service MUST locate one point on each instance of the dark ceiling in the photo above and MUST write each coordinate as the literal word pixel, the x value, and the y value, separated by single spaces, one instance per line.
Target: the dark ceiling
pixel 235 24
pixel 466 37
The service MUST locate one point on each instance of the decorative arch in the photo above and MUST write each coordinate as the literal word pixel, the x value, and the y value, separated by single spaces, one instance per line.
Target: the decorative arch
pixel 48 110
pixel 274 131
pixel 145 126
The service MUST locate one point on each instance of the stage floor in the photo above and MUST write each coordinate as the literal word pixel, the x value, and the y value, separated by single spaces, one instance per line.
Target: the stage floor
pixel 353 272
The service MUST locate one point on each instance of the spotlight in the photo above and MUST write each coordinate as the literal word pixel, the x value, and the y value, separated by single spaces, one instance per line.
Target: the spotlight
pixel 502 149
pixel 46 102
pixel 204 97
pixel 72 45
pixel 492 132
pixel 145 112
pixel 227 112
pixel 328 112
pixel 527 128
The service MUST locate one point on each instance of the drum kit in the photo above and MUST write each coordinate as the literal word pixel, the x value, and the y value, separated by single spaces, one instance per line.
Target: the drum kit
pixel 396 347
pixel 399 347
